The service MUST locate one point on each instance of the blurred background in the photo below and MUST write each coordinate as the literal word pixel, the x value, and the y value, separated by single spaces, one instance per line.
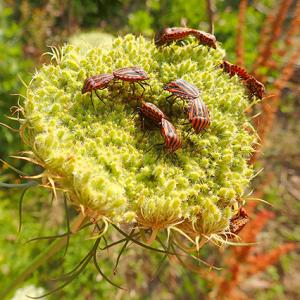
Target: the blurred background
pixel 262 36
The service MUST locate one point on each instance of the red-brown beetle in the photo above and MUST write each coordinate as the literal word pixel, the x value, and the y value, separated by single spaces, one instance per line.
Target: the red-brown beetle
pixel 205 38
pixel 238 222
pixel 133 75
pixel 255 87
pixel 198 115
pixel 97 82
pixel 172 140
pixel 152 113
pixel 168 35
pixel 181 89
pixel 235 70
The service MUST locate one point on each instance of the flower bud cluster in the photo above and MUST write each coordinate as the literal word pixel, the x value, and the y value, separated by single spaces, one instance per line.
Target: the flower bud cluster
pixel 101 157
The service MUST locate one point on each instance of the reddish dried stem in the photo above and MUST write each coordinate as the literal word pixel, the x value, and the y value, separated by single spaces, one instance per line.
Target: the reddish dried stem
pixel 250 233
pixel 268 41
pixel 292 32
pixel 259 263
pixel 240 50
pixel 270 107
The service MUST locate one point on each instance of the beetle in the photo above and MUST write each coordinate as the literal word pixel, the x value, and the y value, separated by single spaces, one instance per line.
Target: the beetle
pixel 181 89
pixel 172 140
pixel 97 82
pixel 238 222
pixel 168 35
pixel 254 86
pixel 232 70
pixel 152 113
pixel 198 115
pixel 205 38
pixel 134 74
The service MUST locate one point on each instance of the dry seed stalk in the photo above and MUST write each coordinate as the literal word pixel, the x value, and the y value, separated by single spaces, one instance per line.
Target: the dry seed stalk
pixel 240 50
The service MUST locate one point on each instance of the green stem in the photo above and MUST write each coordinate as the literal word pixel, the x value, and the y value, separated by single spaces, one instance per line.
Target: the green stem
pixel 42 258
pixel 19 185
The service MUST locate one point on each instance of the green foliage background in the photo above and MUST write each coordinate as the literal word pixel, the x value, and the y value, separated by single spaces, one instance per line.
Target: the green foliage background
pixel 13 67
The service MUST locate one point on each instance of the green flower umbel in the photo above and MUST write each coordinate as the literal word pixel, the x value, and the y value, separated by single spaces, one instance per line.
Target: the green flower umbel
pixel 104 160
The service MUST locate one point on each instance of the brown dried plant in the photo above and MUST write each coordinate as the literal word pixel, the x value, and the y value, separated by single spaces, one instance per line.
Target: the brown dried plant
pixel 268 39
pixel 245 261
pixel 271 36
pixel 264 121
pixel 240 50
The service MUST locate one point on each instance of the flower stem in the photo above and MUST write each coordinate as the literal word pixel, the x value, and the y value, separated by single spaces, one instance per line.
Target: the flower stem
pixel 42 258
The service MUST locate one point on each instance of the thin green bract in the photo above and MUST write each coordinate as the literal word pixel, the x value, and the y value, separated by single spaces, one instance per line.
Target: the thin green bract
pixel 101 157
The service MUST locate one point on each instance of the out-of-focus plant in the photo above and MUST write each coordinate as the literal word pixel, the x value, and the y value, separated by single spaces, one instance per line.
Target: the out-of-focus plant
pixel 13 69
pixel 226 19
pixel 44 23
pixel 243 262
pixel 247 261
pixel 16 250
pixel 92 39
pixel 273 44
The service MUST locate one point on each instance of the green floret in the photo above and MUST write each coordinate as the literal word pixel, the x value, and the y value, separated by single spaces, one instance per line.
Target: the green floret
pixel 102 157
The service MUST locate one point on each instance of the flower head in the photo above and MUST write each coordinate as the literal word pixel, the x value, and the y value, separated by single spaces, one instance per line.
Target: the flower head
pixel 101 156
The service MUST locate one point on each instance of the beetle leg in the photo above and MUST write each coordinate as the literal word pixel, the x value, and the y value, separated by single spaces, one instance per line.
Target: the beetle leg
pixel 136 111
pixel 142 86
pixel 133 88
pixel 99 97
pixel 203 131
pixel 186 123
pixel 92 100
pixel 154 146
pixel 170 99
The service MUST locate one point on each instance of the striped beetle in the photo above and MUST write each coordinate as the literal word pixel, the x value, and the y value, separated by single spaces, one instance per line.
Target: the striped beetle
pixel 198 115
pixel 97 82
pixel 152 113
pixel 181 89
pixel 168 35
pixel 172 140
pixel 133 75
